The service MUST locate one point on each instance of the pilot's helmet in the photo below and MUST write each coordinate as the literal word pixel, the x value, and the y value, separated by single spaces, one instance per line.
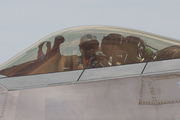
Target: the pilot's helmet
pixel 88 39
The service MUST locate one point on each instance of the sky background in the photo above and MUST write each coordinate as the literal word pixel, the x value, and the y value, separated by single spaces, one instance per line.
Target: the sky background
pixel 23 22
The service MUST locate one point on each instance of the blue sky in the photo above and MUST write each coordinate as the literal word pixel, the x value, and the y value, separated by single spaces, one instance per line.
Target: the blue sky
pixel 23 22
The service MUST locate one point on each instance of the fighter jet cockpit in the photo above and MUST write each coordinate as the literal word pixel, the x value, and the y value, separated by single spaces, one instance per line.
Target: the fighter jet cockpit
pixel 90 47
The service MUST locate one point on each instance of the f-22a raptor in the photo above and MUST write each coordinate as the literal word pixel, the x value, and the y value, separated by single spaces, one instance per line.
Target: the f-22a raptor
pixel 93 73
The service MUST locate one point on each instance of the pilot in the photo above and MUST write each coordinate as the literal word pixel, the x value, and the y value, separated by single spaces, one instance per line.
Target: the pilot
pixel 91 54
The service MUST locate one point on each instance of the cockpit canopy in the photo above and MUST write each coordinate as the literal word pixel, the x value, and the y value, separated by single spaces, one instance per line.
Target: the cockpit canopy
pixel 61 51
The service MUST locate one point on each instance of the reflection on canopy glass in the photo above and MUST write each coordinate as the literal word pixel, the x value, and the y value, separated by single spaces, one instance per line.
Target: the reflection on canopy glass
pixel 90 47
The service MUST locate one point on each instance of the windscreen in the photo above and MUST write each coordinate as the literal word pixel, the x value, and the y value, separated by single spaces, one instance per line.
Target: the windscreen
pixel 90 47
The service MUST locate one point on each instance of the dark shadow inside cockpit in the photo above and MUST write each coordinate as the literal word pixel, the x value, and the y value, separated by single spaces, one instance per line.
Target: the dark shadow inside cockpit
pixel 171 52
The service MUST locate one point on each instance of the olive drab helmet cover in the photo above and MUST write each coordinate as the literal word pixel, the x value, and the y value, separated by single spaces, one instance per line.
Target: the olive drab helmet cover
pixel 88 39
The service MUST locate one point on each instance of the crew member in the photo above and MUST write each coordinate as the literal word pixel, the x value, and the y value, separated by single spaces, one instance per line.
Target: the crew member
pixel 91 55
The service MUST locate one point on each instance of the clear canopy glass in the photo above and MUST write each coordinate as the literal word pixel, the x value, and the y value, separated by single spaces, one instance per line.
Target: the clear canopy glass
pixel 89 47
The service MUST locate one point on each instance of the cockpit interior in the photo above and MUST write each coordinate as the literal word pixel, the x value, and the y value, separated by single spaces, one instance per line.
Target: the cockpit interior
pixel 61 51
